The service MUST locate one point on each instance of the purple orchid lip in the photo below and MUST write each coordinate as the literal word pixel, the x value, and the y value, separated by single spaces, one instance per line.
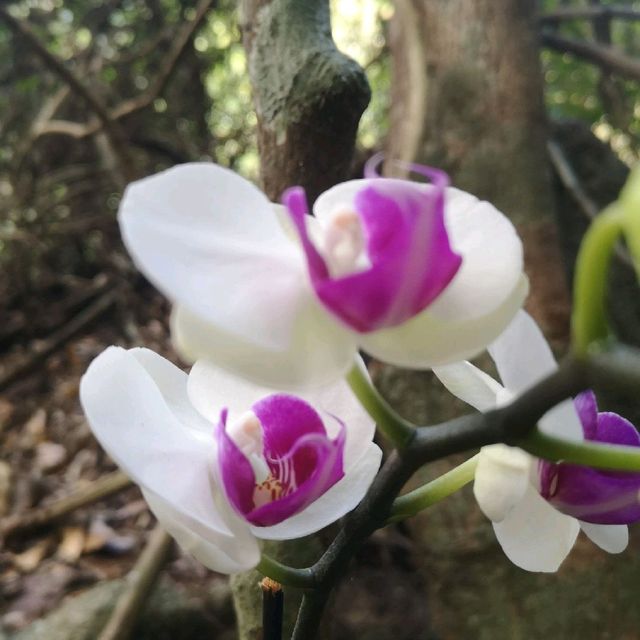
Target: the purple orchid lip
pixel 592 495
pixel 406 243
pixel 300 461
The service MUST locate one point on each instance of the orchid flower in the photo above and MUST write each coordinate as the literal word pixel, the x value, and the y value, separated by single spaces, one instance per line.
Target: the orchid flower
pixel 416 275
pixel 223 463
pixel 538 507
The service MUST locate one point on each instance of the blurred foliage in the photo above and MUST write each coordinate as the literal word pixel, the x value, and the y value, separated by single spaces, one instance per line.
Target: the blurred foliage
pixel 54 186
pixel 574 89
pixel 59 193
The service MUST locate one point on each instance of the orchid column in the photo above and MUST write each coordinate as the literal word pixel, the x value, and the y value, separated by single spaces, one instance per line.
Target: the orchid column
pixel 306 136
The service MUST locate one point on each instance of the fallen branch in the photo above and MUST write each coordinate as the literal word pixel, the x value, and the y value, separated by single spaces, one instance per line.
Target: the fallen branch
pixel 140 582
pixel 40 516
pixel 27 327
pixel 605 57
pixel 43 349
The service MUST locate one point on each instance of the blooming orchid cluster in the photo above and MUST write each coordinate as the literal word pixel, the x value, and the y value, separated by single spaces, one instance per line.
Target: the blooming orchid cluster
pixel 263 439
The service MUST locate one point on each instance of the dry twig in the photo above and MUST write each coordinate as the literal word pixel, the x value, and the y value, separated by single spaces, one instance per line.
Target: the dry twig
pixel 44 515
pixel 43 349
pixel 140 582
pixel 114 133
pixel 563 14
pixel 603 56
pixel 146 98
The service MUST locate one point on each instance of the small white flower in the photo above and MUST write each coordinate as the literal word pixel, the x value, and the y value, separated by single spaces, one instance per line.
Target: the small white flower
pixel 224 463
pixel 533 533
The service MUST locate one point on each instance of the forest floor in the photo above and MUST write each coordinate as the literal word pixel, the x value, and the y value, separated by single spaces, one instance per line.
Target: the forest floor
pixel 442 576
pixel 47 452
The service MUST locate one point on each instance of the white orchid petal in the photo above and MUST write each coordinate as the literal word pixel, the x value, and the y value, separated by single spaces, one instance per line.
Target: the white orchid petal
pixel 225 554
pixel 470 384
pixel 211 388
pixel 172 384
pixel 501 480
pixel 563 422
pixel 212 242
pixel 534 536
pixel 613 538
pixel 137 426
pixel 335 503
pixel 429 340
pixel 320 350
pixel 522 355
pixel 492 261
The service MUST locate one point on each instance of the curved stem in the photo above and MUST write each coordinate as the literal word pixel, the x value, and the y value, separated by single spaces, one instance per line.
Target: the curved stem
pixel 398 430
pixel 630 203
pixel 299 578
pixel 600 456
pixel 415 501
pixel 588 323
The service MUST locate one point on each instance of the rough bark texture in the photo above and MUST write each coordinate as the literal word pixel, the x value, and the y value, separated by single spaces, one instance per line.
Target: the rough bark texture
pixel 308 96
pixel 467 97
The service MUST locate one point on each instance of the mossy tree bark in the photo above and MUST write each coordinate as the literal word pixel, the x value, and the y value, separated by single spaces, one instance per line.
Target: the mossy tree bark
pixel 309 98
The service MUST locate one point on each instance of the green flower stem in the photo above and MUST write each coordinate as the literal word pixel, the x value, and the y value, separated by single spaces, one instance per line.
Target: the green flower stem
pixel 288 576
pixel 398 430
pixel 589 324
pixel 630 204
pixel 591 454
pixel 412 503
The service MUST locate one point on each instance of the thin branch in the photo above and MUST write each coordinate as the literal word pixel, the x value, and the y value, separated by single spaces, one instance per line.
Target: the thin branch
pixel 589 13
pixel 430 443
pixel 146 98
pixel 140 582
pixel 177 51
pixel 43 349
pixel 570 180
pixel 114 134
pixel 41 516
pixel 617 368
pixel 605 57
pixel 571 183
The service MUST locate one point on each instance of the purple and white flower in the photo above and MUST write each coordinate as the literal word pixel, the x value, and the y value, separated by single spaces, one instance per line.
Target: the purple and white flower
pixel 223 463
pixel 417 275
pixel 538 507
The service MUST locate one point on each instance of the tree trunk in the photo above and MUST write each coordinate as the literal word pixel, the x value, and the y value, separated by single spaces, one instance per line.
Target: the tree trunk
pixel 309 98
pixel 467 97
